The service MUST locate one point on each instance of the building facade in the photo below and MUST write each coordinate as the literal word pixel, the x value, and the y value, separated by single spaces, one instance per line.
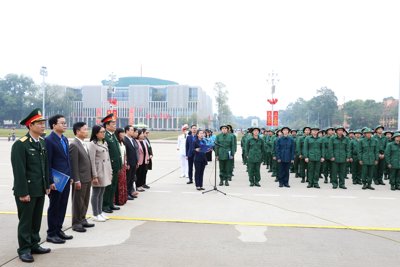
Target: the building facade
pixel 159 104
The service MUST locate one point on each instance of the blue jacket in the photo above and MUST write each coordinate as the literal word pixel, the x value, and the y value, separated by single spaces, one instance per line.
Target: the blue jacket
pixel 190 140
pixel 285 149
pixel 57 158
pixel 200 156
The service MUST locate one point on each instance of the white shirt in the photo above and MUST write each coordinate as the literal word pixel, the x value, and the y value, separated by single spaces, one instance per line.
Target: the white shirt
pixel 83 144
pixel 182 144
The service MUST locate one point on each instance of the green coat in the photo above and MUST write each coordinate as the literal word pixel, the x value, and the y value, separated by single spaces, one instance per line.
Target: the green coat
pixel 114 151
pixel 235 142
pixel 313 148
pixel 354 148
pixel 30 167
pixel 392 155
pixel 255 150
pixel 368 151
pixel 300 145
pixel 225 146
pixel 338 148
pixel 382 141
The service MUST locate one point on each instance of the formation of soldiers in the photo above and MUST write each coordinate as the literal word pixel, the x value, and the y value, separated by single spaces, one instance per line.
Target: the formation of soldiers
pixel 331 154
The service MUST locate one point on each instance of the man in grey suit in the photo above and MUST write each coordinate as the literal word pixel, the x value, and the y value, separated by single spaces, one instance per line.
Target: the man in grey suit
pixel 132 156
pixel 82 175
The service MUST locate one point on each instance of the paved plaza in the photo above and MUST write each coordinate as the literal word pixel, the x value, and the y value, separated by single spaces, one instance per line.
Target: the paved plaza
pixel 172 224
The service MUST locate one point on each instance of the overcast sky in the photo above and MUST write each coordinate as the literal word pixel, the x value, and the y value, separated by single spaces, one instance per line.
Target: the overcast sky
pixel 352 47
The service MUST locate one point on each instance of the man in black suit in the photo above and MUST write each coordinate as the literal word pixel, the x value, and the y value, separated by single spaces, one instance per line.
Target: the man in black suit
pixel 82 176
pixel 190 140
pixel 132 156
pixel 58 158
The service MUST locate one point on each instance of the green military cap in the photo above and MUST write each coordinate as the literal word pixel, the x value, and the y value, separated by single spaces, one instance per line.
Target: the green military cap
pixel 306 128
pixel 255 128
pixel 109 117
pixel 358 131
pixel 368 130
pixel 329 128
pixel 230 127
pixel 387 132
pixel 395 135
pixel 351 131
pixel 285 127
pixel 321 131
pixel 314 128
pixel 34 116
pixel 294 130
pixel 379 126
pixel 340 127
pixel 226 126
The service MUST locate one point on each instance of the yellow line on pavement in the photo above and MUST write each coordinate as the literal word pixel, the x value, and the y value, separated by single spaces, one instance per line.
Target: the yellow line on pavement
pixel 281 225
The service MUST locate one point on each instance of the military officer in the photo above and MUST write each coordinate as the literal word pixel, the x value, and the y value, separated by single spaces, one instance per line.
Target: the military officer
pixel 314 155
pixel 368 155
pixel 389 135
pixel 299 151
pixel 392 155
pixel 295 166
pixel 114 150
pixel 224 152
pixel 382 141
pixel 339 153
pixel 327 164
pixel 355 160
pixel 255 151
pixel 31 183
pixel 242 145
pixel 268 148
pixel 232 164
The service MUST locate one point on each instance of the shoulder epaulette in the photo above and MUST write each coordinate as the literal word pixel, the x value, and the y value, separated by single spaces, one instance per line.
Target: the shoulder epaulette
pixel 23 139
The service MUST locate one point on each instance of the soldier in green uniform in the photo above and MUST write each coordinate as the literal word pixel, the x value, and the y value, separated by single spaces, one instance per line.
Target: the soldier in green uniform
pixel 295 166
pixel 355 160
pixel 368 155
pixel 224 152
pixel 380 168
pixel 275 167
pixel 299 151
pixel 388 135
pixel 255 152
pixel 242 146
pixel 392 155
pixel 268 148
pixel 314 155
pixel 339 154
pixel 327 164
pixel 232 164
pixel 114 150
pixel 31 183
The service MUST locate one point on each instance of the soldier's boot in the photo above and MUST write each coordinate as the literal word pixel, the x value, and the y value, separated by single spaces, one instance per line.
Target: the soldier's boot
pixel 257 184
pixel 381 182
pixel 226 183
pixel 386 176
pixel 317 186
pixel 251 184
pixel 393 187
pixel 343 187
pixel 297 175
pixel 326 180
pixel 230 178
pixel 398 187
pixel 309 185
pixel 221 183
pixel 376 182
pixel 303 180
pixel 370 187
pixel 273 175
pixel 365 186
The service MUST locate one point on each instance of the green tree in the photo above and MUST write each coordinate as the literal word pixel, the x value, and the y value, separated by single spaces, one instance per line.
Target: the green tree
pixel 224 114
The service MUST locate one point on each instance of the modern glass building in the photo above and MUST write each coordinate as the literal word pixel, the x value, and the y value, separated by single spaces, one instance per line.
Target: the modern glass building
pixel 160 104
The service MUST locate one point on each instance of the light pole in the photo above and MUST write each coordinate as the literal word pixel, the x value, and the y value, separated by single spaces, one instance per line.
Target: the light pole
pixel 43 72
pixel 272 80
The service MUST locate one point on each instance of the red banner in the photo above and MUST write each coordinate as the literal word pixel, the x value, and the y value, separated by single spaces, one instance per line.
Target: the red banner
pixel 98 115
pixel 109 111
pixel 269 118
pixel 131 116
pixel 276 118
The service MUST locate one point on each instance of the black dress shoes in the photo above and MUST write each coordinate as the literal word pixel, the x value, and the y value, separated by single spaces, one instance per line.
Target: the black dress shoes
pixel 79 229
pixel 190 182
pixel 40 250
pixel 130 197
pixel 27 257
pixel 146 186
pixel 107 211
pixel 88 225
pixel 115 208
pixel 55 240
pixel 62 235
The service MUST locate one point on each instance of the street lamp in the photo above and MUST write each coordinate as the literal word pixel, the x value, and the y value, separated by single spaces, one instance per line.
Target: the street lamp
pixel 273 80
pixel 43 72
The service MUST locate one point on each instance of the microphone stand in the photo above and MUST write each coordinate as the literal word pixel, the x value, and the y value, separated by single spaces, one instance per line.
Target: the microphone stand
pixel 215 175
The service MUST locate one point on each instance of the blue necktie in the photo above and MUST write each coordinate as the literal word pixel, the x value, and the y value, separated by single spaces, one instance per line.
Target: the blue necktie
pixel 64 146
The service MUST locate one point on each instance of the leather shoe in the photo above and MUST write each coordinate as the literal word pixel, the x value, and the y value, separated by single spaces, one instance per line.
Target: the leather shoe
pixel 343 187
pixel 79 229
pixel 88 225
pixel 27 257
pixel 317 186
pixel 146 186
pixel 115 208
pixel 55 240
pixel 130 197
pixel 281 185
pixel 190 182
pixel 381 183
pixel 62 235
pixel 107 211
pixel 286 185
pixel 40 250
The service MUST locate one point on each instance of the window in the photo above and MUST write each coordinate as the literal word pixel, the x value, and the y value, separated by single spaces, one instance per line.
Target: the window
pixel 193 96
pixel 121 94
pixel 158 94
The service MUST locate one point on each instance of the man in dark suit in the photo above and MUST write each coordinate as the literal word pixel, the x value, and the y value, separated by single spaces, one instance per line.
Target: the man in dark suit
pixel 114 150
pixel 82 176
pixel 150 150
pixel 31 183
pixel 132 157
pixel 58 157
pixel 190 140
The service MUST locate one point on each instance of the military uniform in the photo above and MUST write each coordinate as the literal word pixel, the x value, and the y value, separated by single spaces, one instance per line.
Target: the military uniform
pixel 368 155
pixel 31 177
pixel 356 168
pixel 327 164
pixel 380 168
pixel 314 152
pixel 232 164
pixel 255 151
pixel 339 153
pixel 389 135
pixel 116 164
pixel 299 151
pixel 392 155
pixel 295 166
pixel 224 150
